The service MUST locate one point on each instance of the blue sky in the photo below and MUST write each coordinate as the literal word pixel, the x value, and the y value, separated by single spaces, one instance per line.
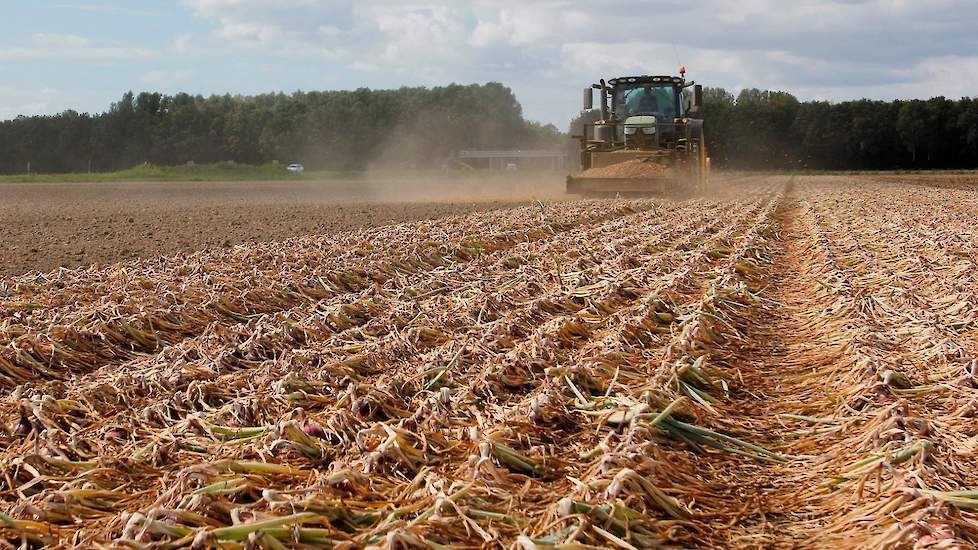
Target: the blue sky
pixel 83 54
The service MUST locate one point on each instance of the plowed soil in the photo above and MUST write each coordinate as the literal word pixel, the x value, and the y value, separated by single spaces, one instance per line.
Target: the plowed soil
pixel 49 226
pixel 951 181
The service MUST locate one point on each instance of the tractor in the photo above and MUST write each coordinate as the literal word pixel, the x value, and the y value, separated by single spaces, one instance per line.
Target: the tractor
pixel 648 141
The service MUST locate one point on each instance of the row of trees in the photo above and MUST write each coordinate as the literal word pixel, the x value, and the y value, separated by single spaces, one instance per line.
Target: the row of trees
pixel 353 130
pixel 345 130
pixel 763 129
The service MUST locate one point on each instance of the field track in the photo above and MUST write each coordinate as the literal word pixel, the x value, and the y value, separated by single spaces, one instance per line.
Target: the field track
pixel 789 363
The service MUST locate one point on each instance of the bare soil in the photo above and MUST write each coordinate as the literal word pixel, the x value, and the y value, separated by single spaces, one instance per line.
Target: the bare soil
pixel 48 226
pixel 950 181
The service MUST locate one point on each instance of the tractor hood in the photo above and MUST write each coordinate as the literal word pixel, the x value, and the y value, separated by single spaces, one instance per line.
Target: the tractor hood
pixel 642 124
pixel 643 120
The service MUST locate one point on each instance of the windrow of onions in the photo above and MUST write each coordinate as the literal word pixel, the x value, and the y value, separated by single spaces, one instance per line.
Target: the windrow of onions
pixel 896 454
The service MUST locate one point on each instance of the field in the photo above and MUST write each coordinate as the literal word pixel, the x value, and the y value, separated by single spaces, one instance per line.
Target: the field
pixel 789 362
pixel 50 225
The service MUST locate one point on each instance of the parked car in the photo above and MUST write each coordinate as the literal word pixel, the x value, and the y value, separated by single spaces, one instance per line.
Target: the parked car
pixel 296 168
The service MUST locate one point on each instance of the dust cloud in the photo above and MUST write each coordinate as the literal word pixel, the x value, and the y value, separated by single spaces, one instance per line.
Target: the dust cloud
pixel 416 163
pixel 386 187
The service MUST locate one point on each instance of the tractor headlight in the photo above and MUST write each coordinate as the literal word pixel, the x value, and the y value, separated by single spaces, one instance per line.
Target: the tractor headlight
pixel 630 130
pixel 648 131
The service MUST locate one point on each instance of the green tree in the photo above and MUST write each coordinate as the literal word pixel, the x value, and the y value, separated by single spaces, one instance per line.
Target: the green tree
pixel 911 125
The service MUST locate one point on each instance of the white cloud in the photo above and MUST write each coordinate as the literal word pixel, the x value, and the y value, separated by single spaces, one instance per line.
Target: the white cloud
pixel 949 76
pixel 18 101
pixel 249 32
pixel 110 9
pixel 527 24
pixel 70 46
pixel 167 79
pixel 183 44
pixel 952 76
pixel 264 21
pixel 59 42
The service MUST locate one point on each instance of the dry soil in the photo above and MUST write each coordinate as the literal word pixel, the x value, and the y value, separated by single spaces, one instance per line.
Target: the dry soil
pixel 48 226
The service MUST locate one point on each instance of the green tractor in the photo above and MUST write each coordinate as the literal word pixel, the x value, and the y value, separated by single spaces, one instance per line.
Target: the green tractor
pixel 648 140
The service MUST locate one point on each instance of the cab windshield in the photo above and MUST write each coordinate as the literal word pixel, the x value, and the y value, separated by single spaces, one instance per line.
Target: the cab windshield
pixel 645 99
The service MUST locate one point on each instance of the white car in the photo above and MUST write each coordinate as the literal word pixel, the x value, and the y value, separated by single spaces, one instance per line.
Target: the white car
pixel 296 168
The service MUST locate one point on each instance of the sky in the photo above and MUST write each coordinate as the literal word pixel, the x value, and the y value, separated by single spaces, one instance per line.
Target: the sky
pixel 84 54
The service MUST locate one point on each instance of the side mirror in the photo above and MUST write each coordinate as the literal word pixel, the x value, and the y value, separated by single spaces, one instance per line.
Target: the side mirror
pixel 588 99
pixel 697 99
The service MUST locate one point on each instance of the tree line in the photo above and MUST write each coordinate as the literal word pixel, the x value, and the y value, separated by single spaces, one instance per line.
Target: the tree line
pixel 336 130
pixel 422 127
pixel 765 129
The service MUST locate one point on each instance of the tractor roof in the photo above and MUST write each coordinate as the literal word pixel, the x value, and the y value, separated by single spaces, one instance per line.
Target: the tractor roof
pixel 661 79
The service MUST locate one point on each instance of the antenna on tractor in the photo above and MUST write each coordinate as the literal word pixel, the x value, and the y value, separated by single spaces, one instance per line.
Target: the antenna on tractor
pixel 675 51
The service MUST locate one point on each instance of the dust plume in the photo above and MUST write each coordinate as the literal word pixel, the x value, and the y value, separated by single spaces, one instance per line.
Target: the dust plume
pixel 416 162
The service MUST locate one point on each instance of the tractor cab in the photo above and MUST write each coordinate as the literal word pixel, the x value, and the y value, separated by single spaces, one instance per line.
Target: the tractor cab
pixel 643 112
pixel 645 109
pixel 636 96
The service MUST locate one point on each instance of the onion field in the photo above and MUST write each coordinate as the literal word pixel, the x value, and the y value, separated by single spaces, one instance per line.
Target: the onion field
pixel 789 362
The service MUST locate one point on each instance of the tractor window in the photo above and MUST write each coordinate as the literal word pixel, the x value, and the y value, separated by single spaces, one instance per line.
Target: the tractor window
pixel 645 99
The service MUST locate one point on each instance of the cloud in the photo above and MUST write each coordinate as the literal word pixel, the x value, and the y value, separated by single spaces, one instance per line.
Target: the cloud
pixel 71 46
pixel 59 42
pixel 18 101
pixel 273 23
pixel 110 9
pixel 949 76
pixel 529 24
pixel 167 79
pixel 183 44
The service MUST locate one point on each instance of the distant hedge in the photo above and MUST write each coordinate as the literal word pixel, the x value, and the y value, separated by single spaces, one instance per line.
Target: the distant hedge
pixel 764 129
pixel 343 130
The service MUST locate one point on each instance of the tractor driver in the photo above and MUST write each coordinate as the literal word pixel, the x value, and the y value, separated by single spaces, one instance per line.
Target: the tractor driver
pixel 648 103
pixel 644 101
